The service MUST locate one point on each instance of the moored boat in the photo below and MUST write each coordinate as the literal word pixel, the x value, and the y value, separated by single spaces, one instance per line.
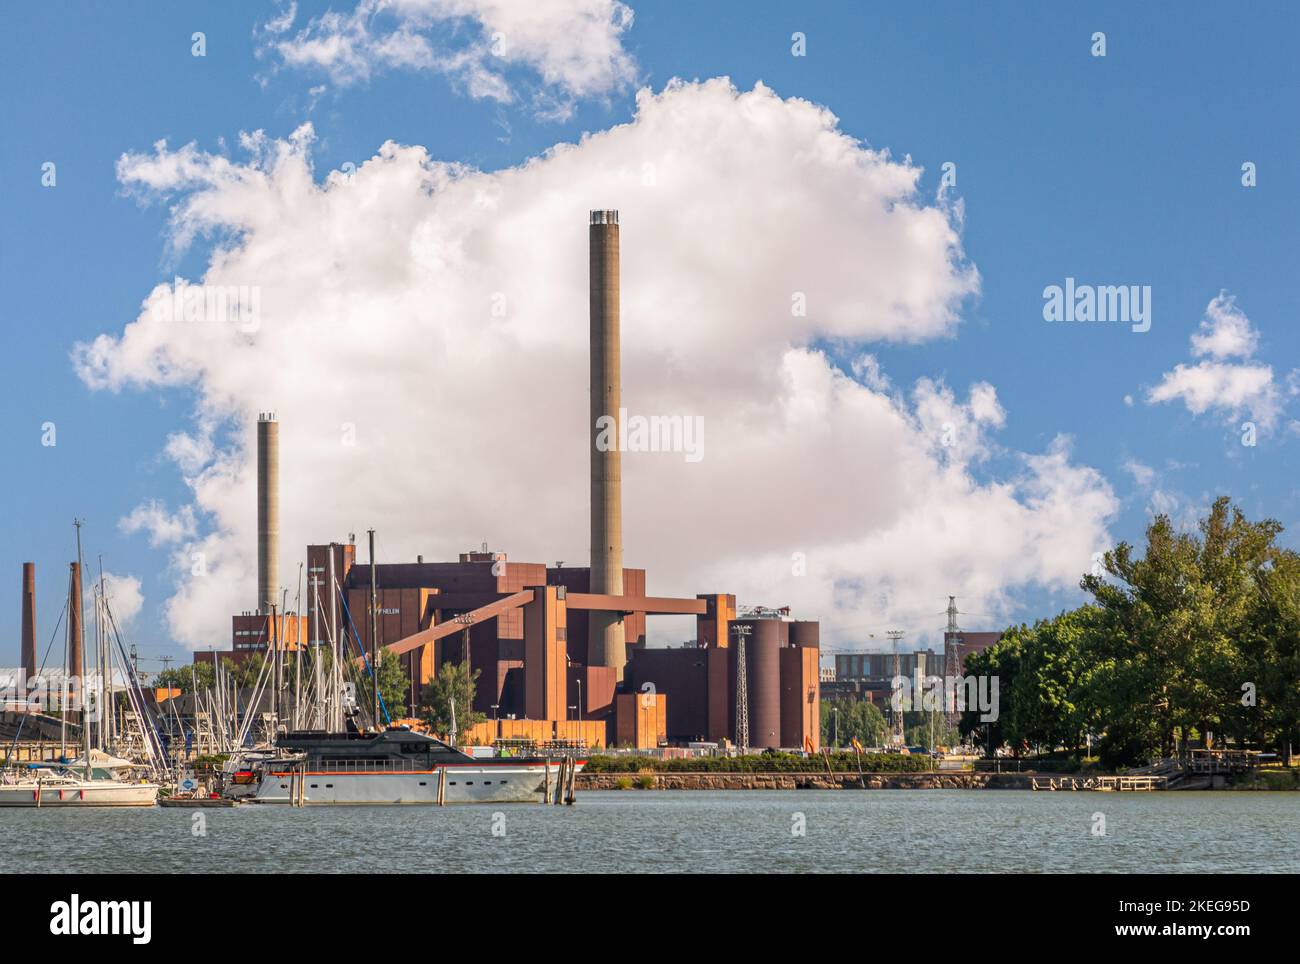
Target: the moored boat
pixel 395 766
pixel 62 787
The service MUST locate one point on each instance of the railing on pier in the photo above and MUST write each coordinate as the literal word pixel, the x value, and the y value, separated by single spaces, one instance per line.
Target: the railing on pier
pixel 1118 784
pixel 1221 761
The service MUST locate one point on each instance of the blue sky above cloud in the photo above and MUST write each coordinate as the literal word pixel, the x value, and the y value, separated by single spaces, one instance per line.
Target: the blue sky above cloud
pixel 567 49
pixel 919 432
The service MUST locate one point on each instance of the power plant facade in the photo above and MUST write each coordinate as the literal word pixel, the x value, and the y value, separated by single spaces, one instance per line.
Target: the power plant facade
pixel 559 651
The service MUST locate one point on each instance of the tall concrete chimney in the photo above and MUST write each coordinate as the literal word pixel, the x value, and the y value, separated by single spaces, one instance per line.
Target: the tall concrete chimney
pixel 29 619
pixel 605 642
pixel 268 512
pixel 75 614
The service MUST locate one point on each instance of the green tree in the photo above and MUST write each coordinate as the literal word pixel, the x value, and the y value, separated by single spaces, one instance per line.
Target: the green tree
pixel 845 720
pixel 245 673
pixel 1001 661
pixel 1181 629
pixel 454 681
pixel 187 679
pixel 393 683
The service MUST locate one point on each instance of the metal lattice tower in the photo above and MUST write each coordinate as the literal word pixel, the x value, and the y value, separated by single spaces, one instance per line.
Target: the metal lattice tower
pixel 951 662
pixel 896 721
pixel 742 689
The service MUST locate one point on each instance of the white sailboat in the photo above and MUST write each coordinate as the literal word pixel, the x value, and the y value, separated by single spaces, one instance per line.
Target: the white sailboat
pixel 104 782
pixel 95 779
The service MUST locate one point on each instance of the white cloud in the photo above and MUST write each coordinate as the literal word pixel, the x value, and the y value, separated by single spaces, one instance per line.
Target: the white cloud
pixel 1232 389
pixel 1229 389
pixel 574 48
pixel 1143 475
pixel 1225 331
pixel 378 325
pixel 163 527
pixel 1162 499
pixel 125 600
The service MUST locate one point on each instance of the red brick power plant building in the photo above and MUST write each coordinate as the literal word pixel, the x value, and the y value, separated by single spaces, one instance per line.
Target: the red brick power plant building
pixel 554 645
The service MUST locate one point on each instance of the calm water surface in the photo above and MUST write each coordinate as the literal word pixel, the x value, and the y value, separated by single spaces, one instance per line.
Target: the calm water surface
pixel 924 831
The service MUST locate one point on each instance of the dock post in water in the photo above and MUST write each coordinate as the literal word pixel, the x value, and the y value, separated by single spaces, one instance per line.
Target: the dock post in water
pixel 442 787
pixel 546 782
pixel 570 786
pixel 559 782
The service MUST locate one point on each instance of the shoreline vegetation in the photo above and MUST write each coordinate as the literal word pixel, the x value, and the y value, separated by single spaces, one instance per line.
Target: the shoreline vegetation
pixel 785 771
pixel 1196 644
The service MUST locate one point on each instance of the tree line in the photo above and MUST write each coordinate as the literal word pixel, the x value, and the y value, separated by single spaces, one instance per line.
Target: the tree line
pixel 1196 640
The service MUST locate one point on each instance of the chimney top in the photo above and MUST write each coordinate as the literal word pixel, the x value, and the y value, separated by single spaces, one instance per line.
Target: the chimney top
pixel 604 217
pixel 266 416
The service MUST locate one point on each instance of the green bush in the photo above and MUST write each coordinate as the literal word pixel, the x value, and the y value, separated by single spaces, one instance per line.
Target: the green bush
pixel 623 783
pixel 646 781
pixel 760 763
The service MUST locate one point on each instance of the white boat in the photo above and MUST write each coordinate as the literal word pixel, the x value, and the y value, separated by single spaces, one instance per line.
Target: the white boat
pixel 397 766
pixel 59 786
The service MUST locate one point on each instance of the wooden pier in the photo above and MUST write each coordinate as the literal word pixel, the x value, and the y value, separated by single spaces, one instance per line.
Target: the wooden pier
pixel 1103 784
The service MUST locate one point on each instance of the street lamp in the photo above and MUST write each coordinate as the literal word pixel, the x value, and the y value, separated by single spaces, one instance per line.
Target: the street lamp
pixel 835 726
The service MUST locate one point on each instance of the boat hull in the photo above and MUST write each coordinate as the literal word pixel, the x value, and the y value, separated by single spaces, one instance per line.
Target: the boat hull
pixel 110 795
pixel 466 783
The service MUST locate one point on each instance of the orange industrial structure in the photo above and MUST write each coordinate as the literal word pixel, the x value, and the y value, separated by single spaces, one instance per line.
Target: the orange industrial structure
pixel 560 652
pixel 524 631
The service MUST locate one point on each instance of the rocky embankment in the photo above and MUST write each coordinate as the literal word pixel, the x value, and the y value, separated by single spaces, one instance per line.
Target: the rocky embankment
pixel 940 780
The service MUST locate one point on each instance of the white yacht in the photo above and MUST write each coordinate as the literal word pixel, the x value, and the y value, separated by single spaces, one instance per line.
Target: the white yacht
pixel 396 766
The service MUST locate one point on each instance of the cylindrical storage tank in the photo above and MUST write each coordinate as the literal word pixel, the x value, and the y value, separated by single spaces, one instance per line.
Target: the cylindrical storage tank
pixel 763 672
pixel 806 633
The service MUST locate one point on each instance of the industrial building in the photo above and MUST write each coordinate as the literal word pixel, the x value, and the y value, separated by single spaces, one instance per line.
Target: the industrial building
pixel 560 651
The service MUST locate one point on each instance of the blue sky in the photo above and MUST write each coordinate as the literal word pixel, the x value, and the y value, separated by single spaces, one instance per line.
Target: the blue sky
pixel 1117 170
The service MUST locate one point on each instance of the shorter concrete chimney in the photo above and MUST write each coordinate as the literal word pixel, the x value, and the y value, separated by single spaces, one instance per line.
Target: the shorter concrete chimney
pixel 75 616
pixel 29 619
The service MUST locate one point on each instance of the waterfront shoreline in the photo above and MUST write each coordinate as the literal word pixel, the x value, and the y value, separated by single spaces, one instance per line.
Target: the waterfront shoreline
pixel 812 780
pixel 937 780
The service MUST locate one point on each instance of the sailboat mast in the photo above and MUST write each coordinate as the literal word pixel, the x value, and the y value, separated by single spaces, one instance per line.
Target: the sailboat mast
pixel 336 670
pixel 85 721
pixel 103 662
pixel 297 654
pixel 318 719
pixel 374 631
